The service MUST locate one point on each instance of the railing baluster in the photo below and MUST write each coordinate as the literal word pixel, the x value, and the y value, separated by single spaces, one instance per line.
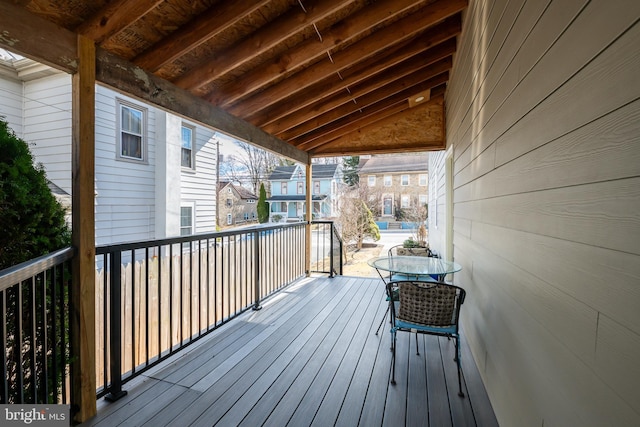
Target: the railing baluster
pixel 44 389
pixel 115 353
pixel 146 314
pixel 256 278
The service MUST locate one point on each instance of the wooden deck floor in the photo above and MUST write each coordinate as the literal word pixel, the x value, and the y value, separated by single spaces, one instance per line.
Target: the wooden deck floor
pixel 309 357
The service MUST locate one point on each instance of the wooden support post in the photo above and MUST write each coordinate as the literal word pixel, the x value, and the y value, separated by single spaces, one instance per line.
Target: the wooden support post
pixel 83 299
pixel 308 216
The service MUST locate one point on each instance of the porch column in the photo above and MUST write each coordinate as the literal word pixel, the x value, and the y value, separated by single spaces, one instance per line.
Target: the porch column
pixel 83 299
pixel 308 206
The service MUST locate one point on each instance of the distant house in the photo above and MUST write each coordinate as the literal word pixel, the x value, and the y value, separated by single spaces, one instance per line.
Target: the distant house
pixel 288 191
pixel 396 183
pixel 237 204
pixel 153 170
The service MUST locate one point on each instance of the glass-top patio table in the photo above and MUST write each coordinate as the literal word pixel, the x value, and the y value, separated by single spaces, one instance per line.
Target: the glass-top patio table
pixel 415 266
pixel 422 268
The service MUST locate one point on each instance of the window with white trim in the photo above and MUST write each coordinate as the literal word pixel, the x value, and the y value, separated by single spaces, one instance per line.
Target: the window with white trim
pixel 186 220
pixel 371 180
pixel 132 124
pixel 387 180
pixel 404 201
pixel 283 188
pixel 404 180
pixel 229 219
pixel 316 187
pixel 422 179
pixel 423 199
pixel 188 157
pixel 300 187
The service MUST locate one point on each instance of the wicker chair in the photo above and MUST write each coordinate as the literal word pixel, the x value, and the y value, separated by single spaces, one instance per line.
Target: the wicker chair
pixel 428 308
pixel 400 250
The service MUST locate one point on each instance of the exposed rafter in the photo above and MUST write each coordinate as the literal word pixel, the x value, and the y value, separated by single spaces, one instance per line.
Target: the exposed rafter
pixel 298 77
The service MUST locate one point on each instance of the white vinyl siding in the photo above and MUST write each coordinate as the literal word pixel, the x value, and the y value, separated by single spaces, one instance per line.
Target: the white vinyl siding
pixel 543 118
pixel 11 99
pixel 47 125
pixel 125 190
pixel 199 184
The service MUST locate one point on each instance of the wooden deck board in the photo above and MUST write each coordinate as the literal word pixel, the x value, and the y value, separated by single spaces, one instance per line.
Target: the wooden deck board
pixel 309 357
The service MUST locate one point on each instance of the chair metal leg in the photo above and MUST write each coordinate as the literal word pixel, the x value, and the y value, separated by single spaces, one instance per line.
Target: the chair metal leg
pixel 393 356
pixel 457 359
pixel 382 321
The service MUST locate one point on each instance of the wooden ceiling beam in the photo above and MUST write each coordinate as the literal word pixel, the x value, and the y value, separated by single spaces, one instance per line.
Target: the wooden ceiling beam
pixel 368 96
pixel 51 44
pixel 57 46
pixel 310 50
pixel 265 38
pixel 367 47
pixel 114 17
pixel 213 22
pixel 358 73
pixel 353 121
pixel 128 78
pixel 319 114
pixel 358 120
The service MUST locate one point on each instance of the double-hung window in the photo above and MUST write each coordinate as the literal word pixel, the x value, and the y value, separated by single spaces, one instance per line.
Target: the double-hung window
pixel 132 125
pixel 422 179
pixel 404 180
pixel 372 180
pixel 186 220
pixel 387 180
pixel 187 135
pixel 404 201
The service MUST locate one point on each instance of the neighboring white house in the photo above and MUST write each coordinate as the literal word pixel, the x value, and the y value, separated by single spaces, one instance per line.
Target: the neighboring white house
pixel 288 191
pixel 155 172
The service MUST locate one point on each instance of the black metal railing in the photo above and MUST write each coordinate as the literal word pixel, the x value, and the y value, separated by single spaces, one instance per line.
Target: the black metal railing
pixel 326 248
pixel 34 299
pixel 152 299
pixel 159 296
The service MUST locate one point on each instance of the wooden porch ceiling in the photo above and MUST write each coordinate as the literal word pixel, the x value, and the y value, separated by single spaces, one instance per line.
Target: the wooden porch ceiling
pixel 328 77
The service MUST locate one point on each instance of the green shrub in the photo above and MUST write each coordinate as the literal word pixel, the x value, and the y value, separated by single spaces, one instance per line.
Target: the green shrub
pixel 32 220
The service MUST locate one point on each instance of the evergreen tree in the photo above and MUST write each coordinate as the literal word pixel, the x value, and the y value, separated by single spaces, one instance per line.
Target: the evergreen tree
pixel 350 170
pixel 263 206
pixel 32 220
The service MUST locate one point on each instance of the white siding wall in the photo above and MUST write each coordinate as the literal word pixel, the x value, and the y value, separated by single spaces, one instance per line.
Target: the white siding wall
pixel 130 205
pixel 125 200
pixel 47 125
pixel 11 103
pixel 543 116
pixel 199 186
